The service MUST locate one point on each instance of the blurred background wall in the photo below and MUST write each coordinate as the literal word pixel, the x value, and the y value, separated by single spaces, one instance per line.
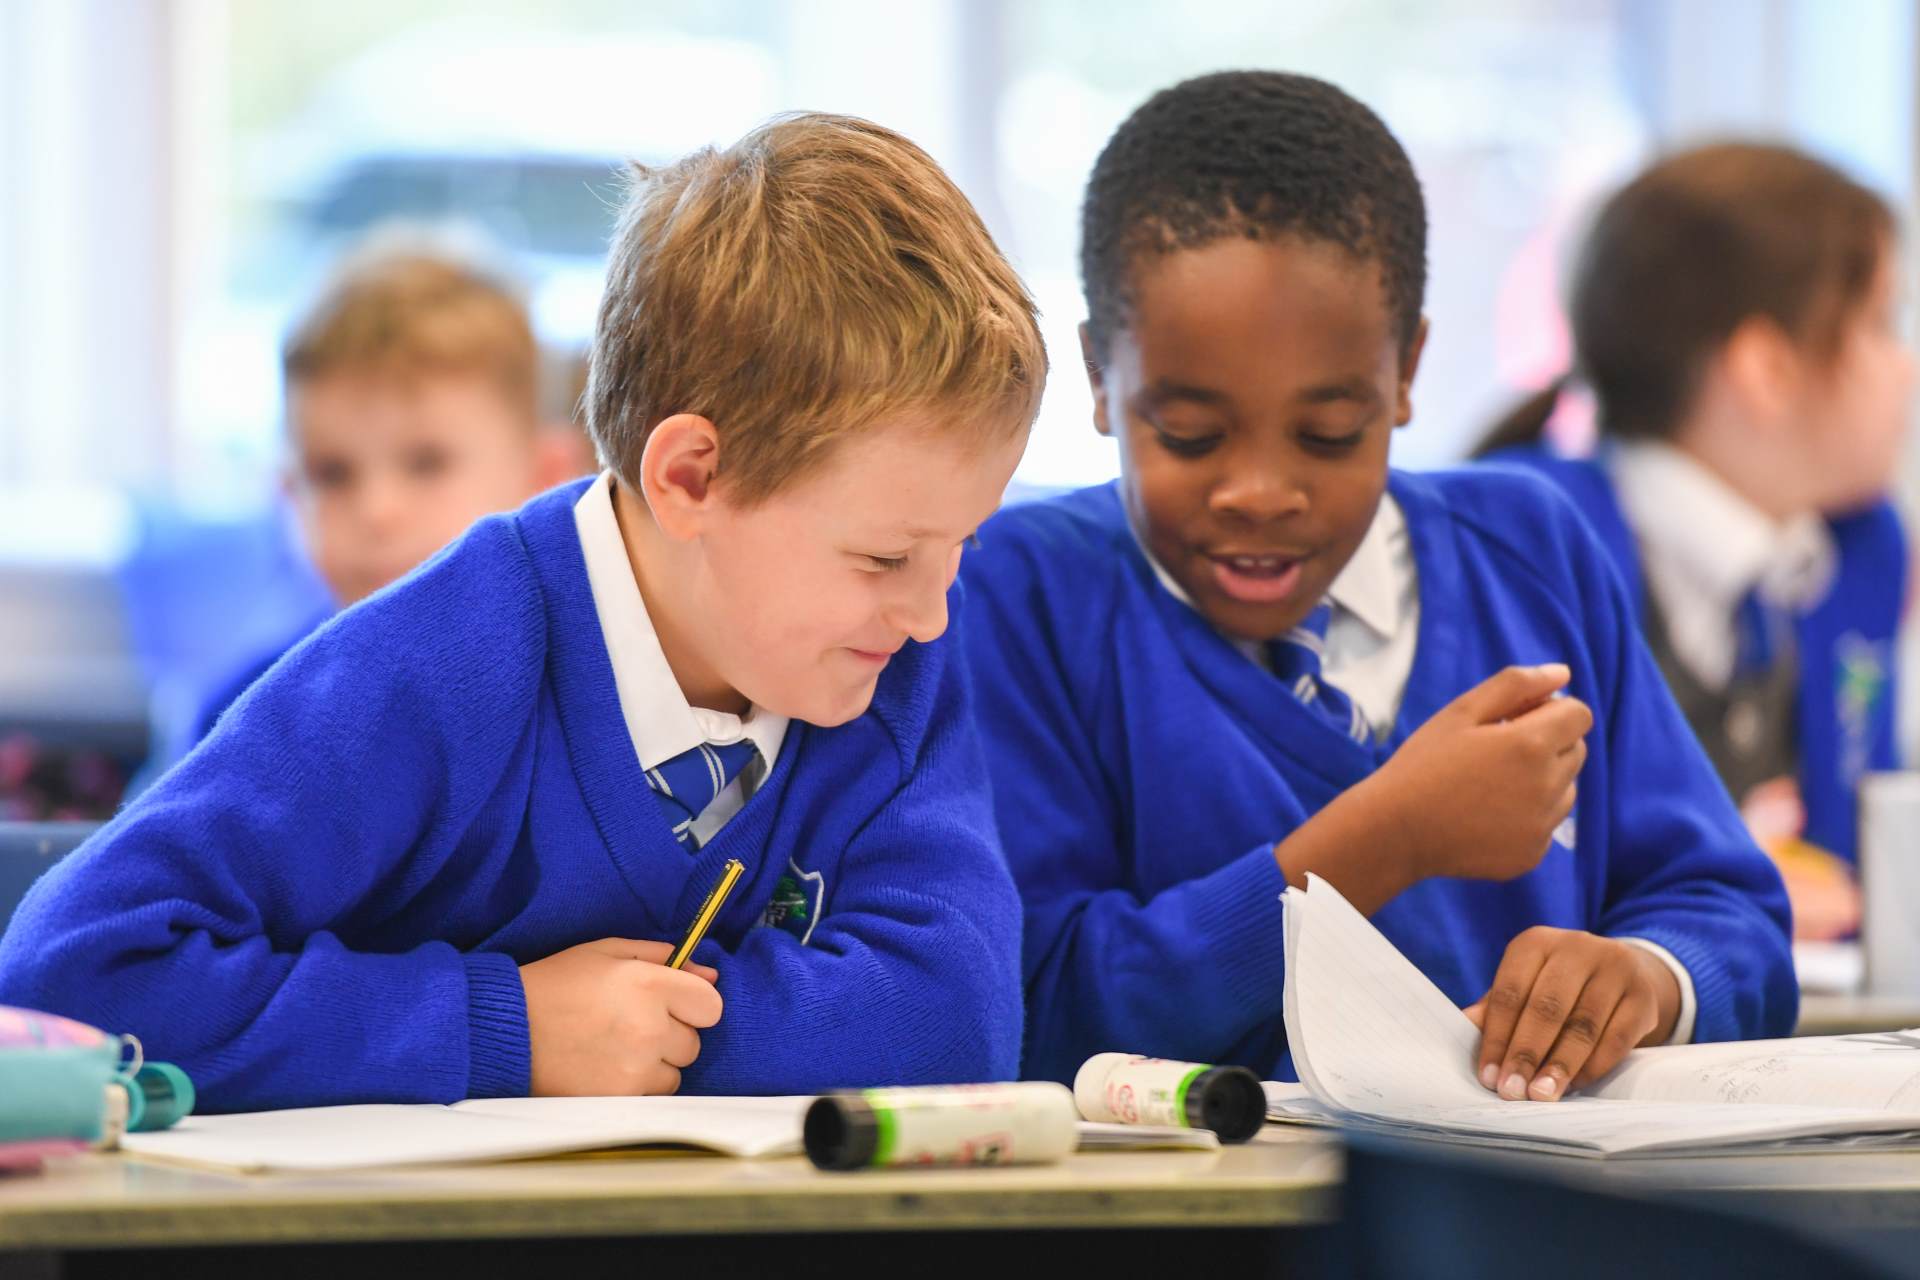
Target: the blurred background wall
pixel 179 173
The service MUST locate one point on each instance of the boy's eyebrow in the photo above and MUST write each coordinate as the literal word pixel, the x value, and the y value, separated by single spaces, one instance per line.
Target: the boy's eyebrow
pixel 915 533
pixel 1359 389
pixel 1164 392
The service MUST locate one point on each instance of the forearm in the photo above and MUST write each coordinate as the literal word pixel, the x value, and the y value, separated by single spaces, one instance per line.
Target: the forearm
pixel 257 1028
pixel 1188 973
pixel 1358 843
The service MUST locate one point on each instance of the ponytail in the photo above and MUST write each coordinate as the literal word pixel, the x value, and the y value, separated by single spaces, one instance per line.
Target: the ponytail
pixel 1526 423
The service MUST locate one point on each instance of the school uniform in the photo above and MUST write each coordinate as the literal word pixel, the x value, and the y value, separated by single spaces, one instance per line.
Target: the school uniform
pixel 210 703
pixel 1144 767
pixel 1779 639
pixel 489 762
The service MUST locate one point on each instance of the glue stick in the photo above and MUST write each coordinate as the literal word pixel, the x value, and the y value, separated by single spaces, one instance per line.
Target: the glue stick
pixel 942 1125
pixel 1124 1088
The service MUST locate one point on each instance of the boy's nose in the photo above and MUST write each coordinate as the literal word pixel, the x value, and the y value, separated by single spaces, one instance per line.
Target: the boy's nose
pixel 1254 494
pixel 382 503
pixel 921 613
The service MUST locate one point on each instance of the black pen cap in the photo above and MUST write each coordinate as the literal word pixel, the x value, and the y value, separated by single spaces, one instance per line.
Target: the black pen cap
pixel 1227 1100
pixel 841 1132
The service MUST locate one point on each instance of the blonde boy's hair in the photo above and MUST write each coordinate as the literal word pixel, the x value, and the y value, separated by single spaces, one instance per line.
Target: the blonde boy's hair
pixel 403 309
pixel 819 274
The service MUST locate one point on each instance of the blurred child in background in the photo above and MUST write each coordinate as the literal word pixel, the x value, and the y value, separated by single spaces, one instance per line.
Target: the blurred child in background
pixel 1734 313
pixel 414 392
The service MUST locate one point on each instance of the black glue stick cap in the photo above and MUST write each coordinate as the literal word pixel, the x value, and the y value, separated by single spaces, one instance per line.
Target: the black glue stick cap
pixel 841 1132
pixel 1229 1101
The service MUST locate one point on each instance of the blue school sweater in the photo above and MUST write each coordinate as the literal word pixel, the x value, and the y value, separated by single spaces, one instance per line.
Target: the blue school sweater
pixel 1144 768
pixel 327 901
pixel 1846 644
pixel 219 694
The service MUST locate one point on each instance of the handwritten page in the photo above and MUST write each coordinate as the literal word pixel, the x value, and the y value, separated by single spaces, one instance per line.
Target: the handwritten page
pixel 1376 1041
pixel 1879 1070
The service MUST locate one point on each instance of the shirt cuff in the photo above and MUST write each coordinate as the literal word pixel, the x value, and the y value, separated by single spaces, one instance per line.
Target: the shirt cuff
pixel 1682 1025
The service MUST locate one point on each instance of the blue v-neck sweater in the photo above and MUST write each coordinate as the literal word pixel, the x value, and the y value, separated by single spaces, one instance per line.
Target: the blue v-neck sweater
pixel 328 900
pixel 1846 645
pixel 1144 768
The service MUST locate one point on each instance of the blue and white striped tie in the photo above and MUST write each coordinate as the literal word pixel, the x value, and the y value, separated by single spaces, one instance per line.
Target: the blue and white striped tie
pixel 688 782
pixel 1295 657
pixel 1757 628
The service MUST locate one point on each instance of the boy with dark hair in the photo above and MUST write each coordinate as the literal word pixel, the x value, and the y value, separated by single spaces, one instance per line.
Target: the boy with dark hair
pixel 1263 653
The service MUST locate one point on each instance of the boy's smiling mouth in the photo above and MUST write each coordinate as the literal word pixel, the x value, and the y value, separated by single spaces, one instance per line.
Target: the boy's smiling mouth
pixel 1255 578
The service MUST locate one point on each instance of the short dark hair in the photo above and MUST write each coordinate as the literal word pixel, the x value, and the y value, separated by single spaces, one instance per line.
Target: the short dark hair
pixel 1259 154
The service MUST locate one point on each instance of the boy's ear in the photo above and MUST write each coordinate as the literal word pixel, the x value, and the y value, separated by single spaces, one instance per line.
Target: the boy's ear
pixel 1409 366
pixel 1096 381
pixel 677 471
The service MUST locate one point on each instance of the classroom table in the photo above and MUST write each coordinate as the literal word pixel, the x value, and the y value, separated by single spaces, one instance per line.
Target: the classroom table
pixel 1840 1015
pixel 1260 1208
pixel 716 1216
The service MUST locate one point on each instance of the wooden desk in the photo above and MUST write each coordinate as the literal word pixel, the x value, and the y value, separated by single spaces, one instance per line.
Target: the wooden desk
pixel 1827 1015
pixel 1287 1178
pixel 732 1217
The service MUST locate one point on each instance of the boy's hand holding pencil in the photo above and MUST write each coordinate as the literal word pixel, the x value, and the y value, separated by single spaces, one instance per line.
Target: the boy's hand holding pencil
pixel 610 1018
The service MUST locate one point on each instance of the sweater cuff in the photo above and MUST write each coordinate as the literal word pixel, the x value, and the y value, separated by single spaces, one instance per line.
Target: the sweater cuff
pixel 499 1058
pixel 1713 989
pixel 1237 913
pixel 1683 1021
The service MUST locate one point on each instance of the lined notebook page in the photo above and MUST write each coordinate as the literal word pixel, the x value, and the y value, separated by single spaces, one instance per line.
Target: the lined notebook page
pixel 1369 1031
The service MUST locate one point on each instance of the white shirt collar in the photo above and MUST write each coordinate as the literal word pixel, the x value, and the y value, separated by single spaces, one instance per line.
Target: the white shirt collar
pixel 1709 541
pixel 1369 586
pixel 659 718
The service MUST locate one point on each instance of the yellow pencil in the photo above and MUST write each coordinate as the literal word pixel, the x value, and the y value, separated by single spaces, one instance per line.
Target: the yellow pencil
pixel 716 898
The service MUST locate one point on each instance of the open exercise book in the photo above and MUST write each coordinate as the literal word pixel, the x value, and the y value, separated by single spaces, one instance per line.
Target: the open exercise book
pixel 326 1139
pixel 1378 1046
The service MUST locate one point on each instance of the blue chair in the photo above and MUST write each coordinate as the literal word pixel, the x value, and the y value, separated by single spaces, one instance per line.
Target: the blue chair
pixel 26 850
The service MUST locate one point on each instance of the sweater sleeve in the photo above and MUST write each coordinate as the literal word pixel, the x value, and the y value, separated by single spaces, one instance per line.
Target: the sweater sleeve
pixel 911 973
pixel 1186 973
pixel 1681 871
pixel 207 917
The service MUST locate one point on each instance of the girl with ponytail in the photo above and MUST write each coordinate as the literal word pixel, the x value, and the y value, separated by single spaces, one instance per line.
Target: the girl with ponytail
pixel 1733 315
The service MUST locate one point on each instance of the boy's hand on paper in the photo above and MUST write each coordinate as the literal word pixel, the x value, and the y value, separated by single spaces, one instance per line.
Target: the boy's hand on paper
pixel 609 1018
pixel 1564 1009
pixel 1477 791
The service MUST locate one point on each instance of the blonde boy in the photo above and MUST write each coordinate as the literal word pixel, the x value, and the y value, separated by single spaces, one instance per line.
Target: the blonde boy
pixel 442 850
pixel 411 413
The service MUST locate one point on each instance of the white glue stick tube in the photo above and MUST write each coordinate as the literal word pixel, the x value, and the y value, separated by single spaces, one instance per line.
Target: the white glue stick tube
pixel 942 1125
pixel 1124 1088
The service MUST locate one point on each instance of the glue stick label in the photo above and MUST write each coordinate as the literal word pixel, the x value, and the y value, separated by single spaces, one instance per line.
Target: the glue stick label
pixel 1125 1088
pixel 973 1124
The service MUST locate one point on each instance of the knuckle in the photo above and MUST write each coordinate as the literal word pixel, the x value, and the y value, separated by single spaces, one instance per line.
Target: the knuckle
pixel 1524 1060
pixel 1506 999
pixel 1548 1007
pixel 1581 1028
